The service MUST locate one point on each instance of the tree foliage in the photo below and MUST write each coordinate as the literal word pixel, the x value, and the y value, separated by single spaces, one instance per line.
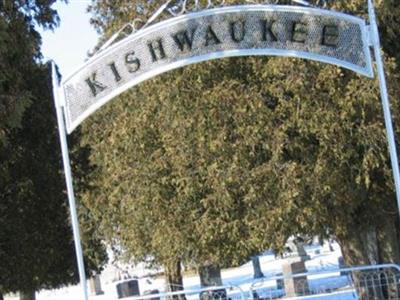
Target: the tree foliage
pixel 36 245
pixel 37 249
pixel 216 161
pixel 19 53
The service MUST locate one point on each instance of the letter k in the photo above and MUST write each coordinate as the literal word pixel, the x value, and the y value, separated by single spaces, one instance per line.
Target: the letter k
pixel 94 85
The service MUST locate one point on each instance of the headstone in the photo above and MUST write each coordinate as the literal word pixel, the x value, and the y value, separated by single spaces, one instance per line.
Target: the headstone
pixel 255 260
pixel 280 284
pixel 301 252
pixel 152 292
pixel 295 286
pixel 128 288
pixel 95 285
pixel 342 265
pixel 29 295
pixel 219 294
pixel 255 295
pixel 296 247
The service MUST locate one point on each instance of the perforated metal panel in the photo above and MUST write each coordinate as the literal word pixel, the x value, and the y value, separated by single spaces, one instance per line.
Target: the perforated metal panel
pixel 229 31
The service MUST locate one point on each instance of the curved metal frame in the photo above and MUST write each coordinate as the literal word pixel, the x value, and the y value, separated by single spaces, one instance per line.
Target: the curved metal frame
pixel 367 71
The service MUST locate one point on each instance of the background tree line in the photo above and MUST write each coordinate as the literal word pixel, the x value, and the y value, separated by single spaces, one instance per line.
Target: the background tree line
pixel 36 244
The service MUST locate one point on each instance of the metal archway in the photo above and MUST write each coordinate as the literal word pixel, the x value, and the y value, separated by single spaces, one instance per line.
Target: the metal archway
pixel 293 31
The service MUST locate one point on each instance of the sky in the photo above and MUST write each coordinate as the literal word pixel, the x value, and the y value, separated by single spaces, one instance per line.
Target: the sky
pixel 69 44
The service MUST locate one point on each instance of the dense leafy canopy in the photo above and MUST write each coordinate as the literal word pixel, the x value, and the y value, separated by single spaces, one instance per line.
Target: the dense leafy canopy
pixel 219 160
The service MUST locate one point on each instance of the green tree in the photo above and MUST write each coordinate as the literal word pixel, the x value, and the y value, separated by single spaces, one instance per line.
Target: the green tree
pixel 168 178
pixel 214 162
pixel 37 249
pixel 19 51
pixel 36 245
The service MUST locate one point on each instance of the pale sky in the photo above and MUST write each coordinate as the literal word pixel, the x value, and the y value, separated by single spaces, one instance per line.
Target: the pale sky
pixel 69 43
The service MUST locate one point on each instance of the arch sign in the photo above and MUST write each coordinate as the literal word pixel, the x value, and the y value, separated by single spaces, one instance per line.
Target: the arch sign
pixel 215 33
pixel 275 30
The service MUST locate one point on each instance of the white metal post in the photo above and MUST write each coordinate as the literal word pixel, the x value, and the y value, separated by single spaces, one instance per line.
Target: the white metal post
pixel 385 99
pixel 68 180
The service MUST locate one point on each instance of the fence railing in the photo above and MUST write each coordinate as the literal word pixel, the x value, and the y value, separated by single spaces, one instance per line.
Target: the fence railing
pixel 211 293
pixel 375 282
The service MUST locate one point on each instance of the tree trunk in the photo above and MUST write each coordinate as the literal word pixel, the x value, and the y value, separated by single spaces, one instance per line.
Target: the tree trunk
pixel 210 275
pixel 95 285
pixel 1 296
pixel 370 246
pixel 389 252
pixel 360 248
pixel 330 245
pixel 27 295
pixel 255 260
pixel 174 280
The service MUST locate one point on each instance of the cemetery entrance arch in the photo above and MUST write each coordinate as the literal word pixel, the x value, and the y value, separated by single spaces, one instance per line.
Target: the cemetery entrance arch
pixel 226 31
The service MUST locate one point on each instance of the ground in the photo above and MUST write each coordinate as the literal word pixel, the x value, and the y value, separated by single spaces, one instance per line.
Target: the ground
pixel 321 259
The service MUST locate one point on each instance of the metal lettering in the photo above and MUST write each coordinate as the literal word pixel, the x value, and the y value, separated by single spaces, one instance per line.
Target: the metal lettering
pixel 267 33
pixel 307 33
pixel 184 40
pixel 299 32
pixel 237 31
pixel 115 71
pixel 132 62
pixel 156 50
pixel 95 86
pixel 211 37
pixel 330 35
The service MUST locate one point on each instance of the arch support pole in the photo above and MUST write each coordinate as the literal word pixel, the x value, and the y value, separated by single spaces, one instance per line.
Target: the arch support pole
pixel 374 34
pixel 68 180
